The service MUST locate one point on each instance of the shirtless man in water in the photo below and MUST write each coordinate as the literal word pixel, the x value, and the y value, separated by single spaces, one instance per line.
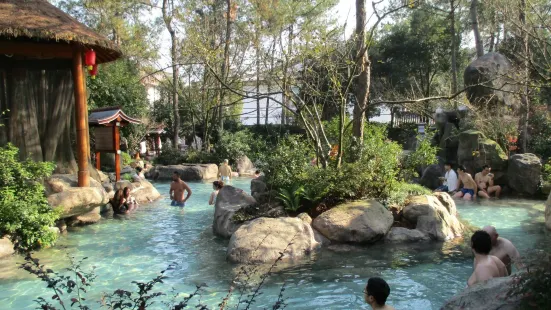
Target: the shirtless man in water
pixel 177 189
pixel 469 189
pixel 503 249
pixel 486 266
pixel 485 182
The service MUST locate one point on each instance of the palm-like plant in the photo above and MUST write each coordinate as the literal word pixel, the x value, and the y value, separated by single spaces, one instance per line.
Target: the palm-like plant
pixel 290 197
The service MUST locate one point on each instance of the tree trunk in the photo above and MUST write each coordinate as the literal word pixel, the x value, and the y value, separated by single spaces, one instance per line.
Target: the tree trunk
pixel 476 32
pixel 230 15
pixel 286 77
pixel 174 58
pixel 269 80
pixel 526 42
pixel 362 68
pixel 257 46
pixel 454 47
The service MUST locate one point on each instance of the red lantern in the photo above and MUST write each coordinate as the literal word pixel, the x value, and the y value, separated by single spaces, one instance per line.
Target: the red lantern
pixel 90 59
pixel 94 71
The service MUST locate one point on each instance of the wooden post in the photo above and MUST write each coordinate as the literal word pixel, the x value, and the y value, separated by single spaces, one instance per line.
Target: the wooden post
pixel 80 119
pixel 116 140
pixel 98 163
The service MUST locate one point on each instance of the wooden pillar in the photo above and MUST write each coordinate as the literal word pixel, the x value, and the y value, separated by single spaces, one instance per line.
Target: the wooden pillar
pixel 116 140
pixel 80 119
pixel 98 162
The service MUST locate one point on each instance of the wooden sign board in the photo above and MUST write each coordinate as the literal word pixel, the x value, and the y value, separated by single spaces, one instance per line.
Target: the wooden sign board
pixel 104 139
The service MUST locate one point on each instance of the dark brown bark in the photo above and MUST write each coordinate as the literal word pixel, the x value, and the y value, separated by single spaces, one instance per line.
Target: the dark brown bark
pixel 361 90
pixel 230 15
pixel 174 58
pixel 454 46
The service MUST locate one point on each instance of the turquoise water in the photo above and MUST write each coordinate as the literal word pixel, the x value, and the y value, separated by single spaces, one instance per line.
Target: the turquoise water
pixel 144 243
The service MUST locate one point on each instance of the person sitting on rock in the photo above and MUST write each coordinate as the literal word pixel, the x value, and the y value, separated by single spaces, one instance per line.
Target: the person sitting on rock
pixel 450 180
pixel 503 249
pixel 216 186
pixel 129 201
pixel 118 203
pixel 469 189
pixel 486 266
pixel 485 181
pixel 376 292
pixel 138 175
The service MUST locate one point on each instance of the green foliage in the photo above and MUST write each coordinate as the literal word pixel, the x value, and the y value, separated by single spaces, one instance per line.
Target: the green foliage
pixel 170 156
pixel 24 211
pixel 424 155
pixel 547 172
pixel 127 177
pixel 291 197
pixel 534 285
pixel 402 191
pixel 126 159
pixel 234 145
pixel 540 134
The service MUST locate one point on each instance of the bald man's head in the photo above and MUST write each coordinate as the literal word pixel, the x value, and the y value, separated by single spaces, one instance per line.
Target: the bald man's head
pixel 491 230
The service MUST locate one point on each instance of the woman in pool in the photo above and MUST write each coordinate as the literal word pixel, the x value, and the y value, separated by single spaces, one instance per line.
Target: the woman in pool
pixel 216 186
pixel 118 203
pixel 129 201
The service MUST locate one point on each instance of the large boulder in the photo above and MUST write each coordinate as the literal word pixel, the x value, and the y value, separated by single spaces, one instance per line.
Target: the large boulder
pixel 144 192
pixel 258 186
pixel 430 176
pixel 79 200
pixel 188 172
pixel 6 247
pixel 245 166
pixel 548 213
pixel 85 219
pixel 434 216
pixel 475 151
pixel 491 295
pixel 492 86
pixel 355 222
pixel 263 239
pixel 122 184
pixel 524 173
pixel 229 201
pixel 404 235
pixel 58 183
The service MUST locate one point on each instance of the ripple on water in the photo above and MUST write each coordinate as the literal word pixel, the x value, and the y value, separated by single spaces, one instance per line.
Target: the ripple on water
pixel 139 246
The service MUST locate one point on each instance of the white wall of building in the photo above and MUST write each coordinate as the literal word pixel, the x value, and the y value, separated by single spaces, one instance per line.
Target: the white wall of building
pixel 249 113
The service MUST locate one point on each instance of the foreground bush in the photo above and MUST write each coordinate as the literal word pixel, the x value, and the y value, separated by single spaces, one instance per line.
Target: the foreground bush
pixel 534 285
pixel 24 211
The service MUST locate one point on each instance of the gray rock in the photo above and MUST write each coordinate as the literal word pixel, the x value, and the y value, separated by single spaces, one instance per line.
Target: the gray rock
pixel 108 187
pixel 188 172
pixel 79 200
pixel 61 225
pixel 494 87
pixel 491 295
pixel 263 239
pixel 228 202
pixel 258 186
pixel 355 222
pixel 6 247
pixel 320 239
pixel 431 217
pixel 144 192
pixel 524 173
pixel 85 219
pixel 58 183
pixel 305 218
pixel 127 170
pixel 475 151
pixel 122 184
pixel 430 176
pixel 245 166
pixel 404 235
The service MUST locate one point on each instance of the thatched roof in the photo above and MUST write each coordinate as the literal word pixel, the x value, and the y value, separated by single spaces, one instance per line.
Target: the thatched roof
pixel 41 21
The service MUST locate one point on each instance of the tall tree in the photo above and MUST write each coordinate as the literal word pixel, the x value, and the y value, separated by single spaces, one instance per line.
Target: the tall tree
pixel 168 17
pixel 361 91
pixel 476 32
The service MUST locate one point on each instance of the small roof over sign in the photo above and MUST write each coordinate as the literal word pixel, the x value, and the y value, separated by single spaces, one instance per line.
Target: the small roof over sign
pixel 107 115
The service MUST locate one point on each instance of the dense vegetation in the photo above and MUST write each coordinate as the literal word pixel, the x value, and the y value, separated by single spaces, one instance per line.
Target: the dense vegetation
pixel 24 211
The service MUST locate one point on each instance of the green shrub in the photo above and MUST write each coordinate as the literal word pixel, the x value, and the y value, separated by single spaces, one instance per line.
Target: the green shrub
pixel 540 134
pixel 170 156
pixel 402 191
pixel 546 173
pixel 126 159
pixel 24 211
pixel 291 197
pixel 127 177
pixel 424 155
pixel 534 285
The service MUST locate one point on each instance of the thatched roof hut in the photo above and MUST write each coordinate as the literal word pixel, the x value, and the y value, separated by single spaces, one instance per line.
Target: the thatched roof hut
pixel 40 21
pixel 43 83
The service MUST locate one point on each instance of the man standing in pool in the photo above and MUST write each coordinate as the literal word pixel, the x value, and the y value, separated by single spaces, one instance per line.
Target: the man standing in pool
pixel 503 249
pixel 469 189
pixel 376 292
pixel 486 266
pixel 177 189
pixel 224 171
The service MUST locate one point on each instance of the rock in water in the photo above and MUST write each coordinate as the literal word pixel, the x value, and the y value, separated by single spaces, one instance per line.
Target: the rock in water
pixel 263 239
pixel 85 219
pixel 144 192
pixel 404 235
pixel 491 295
pixel 432 217
pixel 475 151
pixel 355 222
pixel 188 172
pixel 79 200
pixel 494 88
pixel 245 166
pixel 228 202
pixel 6 247
pixel 548 213
pixel 430 176
pixel 524 173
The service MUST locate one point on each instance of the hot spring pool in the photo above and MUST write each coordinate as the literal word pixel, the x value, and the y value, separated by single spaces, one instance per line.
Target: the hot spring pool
pixel 138 247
